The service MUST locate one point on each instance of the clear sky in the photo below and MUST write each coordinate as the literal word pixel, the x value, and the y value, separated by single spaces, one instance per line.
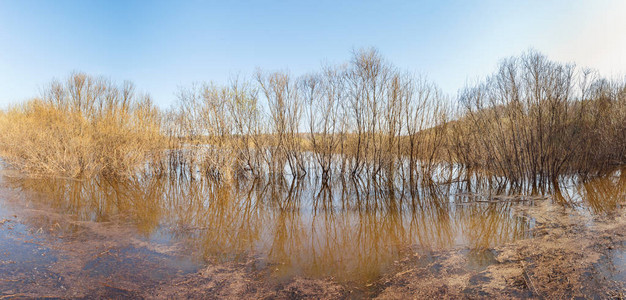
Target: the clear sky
pixel 163 45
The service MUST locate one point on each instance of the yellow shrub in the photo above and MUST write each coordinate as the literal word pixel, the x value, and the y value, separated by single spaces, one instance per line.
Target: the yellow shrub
pixel 44 137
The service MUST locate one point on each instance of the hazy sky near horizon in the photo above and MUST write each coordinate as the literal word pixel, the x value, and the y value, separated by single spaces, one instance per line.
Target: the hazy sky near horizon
pixel 161 45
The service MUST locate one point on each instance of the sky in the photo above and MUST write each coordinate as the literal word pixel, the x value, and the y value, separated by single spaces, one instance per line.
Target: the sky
pixel 164 45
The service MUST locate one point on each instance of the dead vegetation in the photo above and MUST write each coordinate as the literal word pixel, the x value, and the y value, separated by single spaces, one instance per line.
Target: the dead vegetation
pixel 81 128
pixel 535 120
pixel 529 124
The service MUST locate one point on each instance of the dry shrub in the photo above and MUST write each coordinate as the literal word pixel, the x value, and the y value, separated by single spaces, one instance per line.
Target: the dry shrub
pixel 82 128
pixel 531 122
pixel 208 129
pixel 535 120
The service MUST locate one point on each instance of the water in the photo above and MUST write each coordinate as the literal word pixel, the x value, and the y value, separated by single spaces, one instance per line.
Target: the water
pixel 150 230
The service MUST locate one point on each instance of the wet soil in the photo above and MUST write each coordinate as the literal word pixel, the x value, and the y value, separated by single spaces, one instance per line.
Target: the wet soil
pixel 567 258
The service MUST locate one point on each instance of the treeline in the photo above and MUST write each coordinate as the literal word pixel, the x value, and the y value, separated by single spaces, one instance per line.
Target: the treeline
pixel 535 120
pixel 358 119
pixel 531 122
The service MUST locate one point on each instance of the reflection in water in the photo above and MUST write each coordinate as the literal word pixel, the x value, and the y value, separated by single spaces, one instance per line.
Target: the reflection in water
pixel 349 230
pixel 602 195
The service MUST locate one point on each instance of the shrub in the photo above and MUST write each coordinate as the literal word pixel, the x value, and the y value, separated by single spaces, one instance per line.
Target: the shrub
pixel 84 127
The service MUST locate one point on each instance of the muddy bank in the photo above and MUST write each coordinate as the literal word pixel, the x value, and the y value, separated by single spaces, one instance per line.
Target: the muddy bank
pixel 570 256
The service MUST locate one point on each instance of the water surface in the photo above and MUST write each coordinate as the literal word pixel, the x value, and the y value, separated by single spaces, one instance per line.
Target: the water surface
pixel 152 229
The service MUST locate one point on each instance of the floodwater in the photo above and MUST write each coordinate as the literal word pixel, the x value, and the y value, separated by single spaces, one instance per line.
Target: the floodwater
pixel 102 238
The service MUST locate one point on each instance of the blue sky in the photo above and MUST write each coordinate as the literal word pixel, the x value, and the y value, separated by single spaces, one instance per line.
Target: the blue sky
pixel 161 45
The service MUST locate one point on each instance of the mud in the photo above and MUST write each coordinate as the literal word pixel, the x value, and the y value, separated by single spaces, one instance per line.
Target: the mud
pixel 565 259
